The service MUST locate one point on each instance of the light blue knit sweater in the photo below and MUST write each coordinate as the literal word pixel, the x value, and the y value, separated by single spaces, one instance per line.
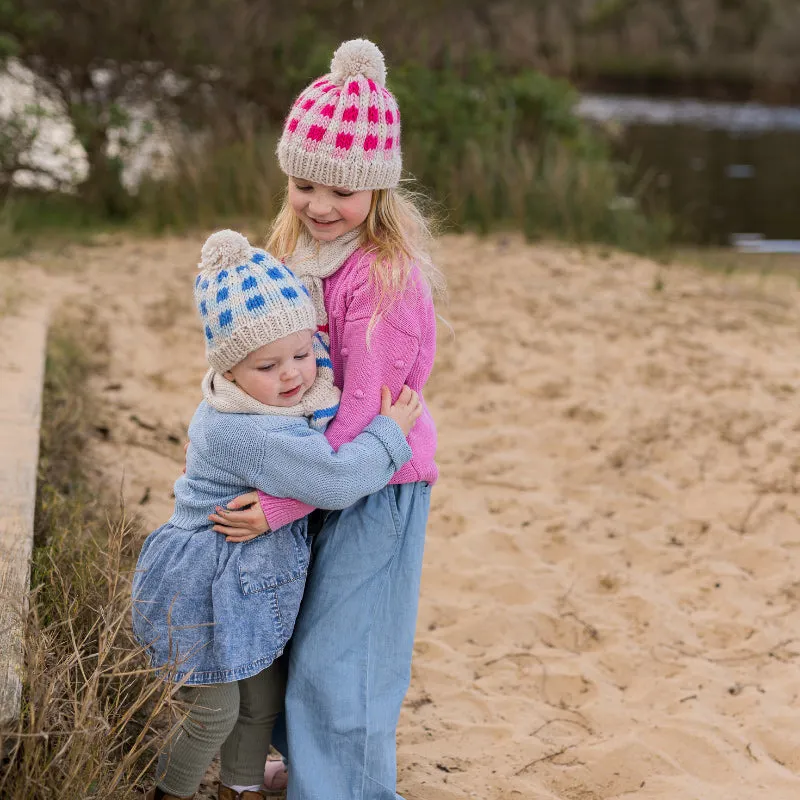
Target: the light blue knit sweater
pixel 281 456
pixel 214 611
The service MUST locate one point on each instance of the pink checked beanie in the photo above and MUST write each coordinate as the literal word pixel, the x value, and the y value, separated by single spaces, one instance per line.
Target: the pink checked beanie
pixel 344 129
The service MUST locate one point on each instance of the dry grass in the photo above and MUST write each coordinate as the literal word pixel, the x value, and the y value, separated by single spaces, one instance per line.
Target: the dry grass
pixel 729 261
pixel 92 710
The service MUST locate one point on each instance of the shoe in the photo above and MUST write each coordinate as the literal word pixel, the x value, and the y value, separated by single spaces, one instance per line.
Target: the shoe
pixel 276 777
pixel 157 794
pixel 226 793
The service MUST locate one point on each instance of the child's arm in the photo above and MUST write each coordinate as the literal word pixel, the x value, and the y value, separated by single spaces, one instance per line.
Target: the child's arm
pixel 388 360
pixel 300 462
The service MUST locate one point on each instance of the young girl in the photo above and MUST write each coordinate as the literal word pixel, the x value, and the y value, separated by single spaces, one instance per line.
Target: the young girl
pixel 360 245
pixel 214 615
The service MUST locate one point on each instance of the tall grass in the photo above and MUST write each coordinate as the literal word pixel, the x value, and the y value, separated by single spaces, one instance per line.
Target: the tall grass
pixel 31 218
pixel 91 709
pixel 494 150
pixel 213 181
pixel 547 192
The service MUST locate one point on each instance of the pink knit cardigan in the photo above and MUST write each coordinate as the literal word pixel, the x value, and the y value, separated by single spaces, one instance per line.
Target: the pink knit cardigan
pixel 401 349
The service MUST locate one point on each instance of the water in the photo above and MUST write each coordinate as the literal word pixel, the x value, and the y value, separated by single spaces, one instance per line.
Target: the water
pixel 730 173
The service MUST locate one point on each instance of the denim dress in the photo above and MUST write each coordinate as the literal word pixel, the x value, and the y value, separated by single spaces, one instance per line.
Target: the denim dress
pixel 210 611
pixel 214 610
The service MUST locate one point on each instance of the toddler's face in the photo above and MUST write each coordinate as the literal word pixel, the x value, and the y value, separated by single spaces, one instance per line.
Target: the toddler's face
pixel 328 211
pixel 279 373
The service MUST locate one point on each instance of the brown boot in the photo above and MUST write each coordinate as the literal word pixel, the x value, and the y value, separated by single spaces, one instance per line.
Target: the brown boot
pixel 226 793
pixel 157 794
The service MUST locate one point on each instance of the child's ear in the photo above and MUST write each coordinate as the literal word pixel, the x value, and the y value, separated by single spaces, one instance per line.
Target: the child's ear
pixel 229 376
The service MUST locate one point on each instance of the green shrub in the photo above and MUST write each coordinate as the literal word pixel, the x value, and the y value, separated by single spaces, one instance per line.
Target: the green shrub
pixel 500 150
pixel 493 149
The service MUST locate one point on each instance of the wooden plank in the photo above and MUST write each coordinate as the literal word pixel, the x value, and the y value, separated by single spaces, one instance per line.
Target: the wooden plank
pixel 22 358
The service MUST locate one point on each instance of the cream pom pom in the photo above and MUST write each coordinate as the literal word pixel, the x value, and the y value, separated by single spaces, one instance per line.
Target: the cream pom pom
pixel 224 250
pixel 358 57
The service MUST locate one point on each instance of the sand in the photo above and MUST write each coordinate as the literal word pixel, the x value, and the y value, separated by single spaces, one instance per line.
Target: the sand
pixel 611 594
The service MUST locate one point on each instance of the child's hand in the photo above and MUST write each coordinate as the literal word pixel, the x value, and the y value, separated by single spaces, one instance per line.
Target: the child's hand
pixel 242 520
pixel 405 412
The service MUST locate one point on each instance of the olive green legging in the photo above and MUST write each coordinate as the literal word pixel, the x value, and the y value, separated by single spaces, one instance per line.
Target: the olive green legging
pixel 235 719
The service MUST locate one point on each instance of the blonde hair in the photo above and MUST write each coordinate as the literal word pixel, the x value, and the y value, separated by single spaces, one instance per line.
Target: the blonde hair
pixel 395 232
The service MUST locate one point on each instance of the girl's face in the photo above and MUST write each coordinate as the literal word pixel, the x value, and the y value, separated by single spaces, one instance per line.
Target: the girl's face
pixel 328 211
pixel 279 373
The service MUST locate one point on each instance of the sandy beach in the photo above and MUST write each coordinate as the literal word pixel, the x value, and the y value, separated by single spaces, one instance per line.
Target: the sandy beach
pixel 611 595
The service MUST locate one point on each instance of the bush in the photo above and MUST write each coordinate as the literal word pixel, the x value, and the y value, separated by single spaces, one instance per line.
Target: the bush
pixel 494 149
pixel 502 150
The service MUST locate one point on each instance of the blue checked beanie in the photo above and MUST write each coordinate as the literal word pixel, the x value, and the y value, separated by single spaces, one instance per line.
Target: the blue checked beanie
pixel 246 299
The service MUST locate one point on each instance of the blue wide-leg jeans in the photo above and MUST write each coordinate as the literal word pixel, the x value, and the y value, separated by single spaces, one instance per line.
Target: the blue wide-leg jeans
pixel 350 656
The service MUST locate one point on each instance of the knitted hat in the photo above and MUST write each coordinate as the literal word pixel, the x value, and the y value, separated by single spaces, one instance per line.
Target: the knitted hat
pixel 344 129
pixel 246 299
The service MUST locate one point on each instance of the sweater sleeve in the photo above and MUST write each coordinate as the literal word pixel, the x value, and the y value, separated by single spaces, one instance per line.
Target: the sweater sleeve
pixel 299 462
pixel 388 359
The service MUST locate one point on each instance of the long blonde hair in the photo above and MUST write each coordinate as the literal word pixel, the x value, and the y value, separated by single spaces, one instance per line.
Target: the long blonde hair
pixel 395 232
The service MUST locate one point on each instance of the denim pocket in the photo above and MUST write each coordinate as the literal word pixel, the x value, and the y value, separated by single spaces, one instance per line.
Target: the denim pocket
pixel 287 598
pixel 274 559
pixel 394 509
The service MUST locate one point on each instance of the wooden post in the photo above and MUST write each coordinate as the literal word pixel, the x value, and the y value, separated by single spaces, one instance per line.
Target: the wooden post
pixel 22 358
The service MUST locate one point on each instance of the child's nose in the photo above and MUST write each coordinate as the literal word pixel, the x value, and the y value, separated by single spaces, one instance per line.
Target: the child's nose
pixel 318 207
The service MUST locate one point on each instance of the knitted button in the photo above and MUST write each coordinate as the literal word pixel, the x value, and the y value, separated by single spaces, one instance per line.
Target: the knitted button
pixel 345 351
pixel 358 394
pixel 399 364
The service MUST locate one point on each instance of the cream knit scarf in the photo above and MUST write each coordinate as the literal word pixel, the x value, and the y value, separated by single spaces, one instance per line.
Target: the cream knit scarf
pixel 225 396
pixel 319 403
pixel 312 261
